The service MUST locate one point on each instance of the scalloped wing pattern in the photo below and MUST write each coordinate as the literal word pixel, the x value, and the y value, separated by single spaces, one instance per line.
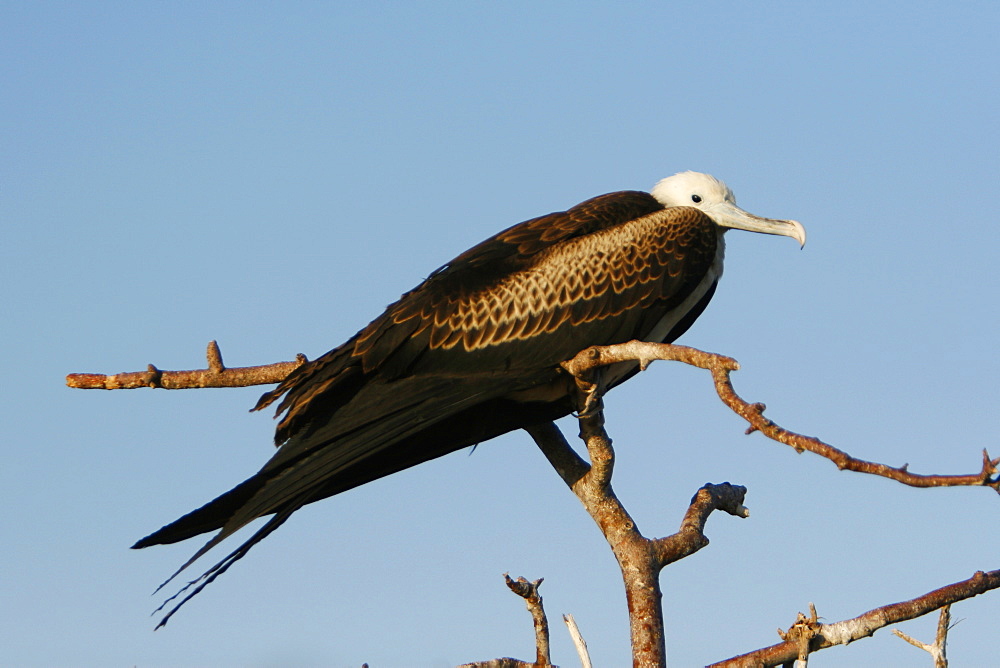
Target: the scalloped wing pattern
pixel 584 279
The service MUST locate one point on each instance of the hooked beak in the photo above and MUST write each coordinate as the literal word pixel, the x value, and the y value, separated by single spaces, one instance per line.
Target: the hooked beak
pixel 726 214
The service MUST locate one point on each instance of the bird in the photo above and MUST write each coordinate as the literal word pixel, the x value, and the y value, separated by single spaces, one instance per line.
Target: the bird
pixel 474 350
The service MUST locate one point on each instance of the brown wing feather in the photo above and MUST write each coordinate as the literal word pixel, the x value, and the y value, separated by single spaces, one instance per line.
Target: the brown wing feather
pixel 639 264
pixel 475 272
pixel 316 386
pixel 626 277
pixel 552 300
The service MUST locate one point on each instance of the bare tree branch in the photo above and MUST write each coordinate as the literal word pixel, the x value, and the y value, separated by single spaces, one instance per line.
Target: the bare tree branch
pixel 216 375
pixel 529 592
pixel 505 662
pixel 578 641
pixel 721 366
pixel 639 558
pixel 937 650
pixel 802 633
pixel 691 536
pixel 841 633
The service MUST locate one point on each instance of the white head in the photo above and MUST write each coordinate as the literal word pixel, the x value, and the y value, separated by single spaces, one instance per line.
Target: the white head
pixel 709 194
pixel 692 189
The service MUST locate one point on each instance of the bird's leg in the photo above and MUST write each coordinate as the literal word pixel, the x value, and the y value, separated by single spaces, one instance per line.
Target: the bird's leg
pixel 591 393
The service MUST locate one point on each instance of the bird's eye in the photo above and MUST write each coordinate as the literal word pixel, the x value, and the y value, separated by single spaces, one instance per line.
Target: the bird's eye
pixel 696 198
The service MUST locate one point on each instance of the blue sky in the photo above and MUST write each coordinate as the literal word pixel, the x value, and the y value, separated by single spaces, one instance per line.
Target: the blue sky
pixel 272 175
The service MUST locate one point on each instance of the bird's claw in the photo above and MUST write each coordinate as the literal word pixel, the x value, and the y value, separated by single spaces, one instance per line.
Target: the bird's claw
pixel 592 405
pixel 592 394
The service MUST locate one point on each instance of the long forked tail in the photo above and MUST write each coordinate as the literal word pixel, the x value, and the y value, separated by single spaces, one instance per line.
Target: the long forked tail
pixel 195 586
pixel 403 430
pixel 210 517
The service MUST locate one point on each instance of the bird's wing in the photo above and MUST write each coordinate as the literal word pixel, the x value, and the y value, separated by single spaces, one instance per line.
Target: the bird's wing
pixel 537 308
pixel 474 272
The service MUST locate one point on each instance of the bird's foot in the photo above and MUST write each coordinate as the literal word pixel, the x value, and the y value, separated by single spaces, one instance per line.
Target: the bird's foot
pixel 592 405
pixel 592 395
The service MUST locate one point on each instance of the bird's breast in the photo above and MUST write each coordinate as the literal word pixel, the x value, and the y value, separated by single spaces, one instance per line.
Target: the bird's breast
pixel 665 330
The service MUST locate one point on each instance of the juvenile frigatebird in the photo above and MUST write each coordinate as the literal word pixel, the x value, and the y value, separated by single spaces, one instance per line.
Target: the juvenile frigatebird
pixel 474 350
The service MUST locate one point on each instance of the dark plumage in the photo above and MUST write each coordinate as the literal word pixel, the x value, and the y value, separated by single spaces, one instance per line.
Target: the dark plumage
pixel 474 351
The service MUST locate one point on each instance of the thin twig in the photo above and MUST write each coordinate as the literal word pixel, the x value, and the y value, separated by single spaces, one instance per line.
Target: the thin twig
pixel 691 536
pixel 578 641
pixel 937 650
pixel 533 600
pixel 216 375
pixel 721 367
pixel 802 633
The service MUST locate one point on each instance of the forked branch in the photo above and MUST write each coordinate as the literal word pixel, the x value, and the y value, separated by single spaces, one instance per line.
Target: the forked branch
pixel 639 558
pixel 691 536
pixel 937 650
pixel 533 600
pixel 529 592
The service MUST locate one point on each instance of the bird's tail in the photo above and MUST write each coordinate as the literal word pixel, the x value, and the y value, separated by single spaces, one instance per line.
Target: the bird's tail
pixel 210 517
pixel 385 430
